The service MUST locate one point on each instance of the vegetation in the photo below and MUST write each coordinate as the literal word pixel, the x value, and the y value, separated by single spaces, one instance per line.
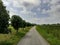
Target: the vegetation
pixel 13 37
pixel 50 32
pixel 4 18
pixel 8 35
pixel 16 22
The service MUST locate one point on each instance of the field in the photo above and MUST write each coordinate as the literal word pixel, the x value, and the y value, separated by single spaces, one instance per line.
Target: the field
pixel 13 37
pixel 50 32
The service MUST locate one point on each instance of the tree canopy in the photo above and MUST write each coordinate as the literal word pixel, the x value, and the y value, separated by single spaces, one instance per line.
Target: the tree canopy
pixel 4 18
pixel 16 22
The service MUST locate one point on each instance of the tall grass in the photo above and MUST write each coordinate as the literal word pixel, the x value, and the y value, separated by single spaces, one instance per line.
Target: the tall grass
pixel 13 37
pixel 50 32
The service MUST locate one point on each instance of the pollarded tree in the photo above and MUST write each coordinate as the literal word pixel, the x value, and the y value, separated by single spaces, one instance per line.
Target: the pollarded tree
pixel 4 18
pixel 16 22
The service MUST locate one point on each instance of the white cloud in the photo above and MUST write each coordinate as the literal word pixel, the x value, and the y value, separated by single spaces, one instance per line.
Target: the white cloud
pixel 46 1
pixel 28 5
pixel 34 2
pixel 54 2
pixel 55 9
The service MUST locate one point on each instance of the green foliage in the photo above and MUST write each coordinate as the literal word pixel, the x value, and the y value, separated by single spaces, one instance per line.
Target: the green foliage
pixel 16 22
pixel 23 24
pixel 4 17
pixel 13 38
pixel 29 24
pixel 50 32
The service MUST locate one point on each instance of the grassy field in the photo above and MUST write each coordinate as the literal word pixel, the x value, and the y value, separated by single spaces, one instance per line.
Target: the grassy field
pixel 13 37
pixel 51 33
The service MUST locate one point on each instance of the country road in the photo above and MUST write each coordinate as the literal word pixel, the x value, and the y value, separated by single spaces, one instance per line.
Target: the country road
pixel 33 38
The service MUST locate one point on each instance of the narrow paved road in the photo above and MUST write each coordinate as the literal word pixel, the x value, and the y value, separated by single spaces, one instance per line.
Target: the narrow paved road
pixel 33 38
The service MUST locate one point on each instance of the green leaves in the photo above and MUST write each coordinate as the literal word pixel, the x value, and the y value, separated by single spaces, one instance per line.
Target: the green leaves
pixel 16 21
pixel 4 18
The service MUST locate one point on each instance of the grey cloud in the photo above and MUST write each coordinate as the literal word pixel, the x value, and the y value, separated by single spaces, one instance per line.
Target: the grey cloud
pixel 48 12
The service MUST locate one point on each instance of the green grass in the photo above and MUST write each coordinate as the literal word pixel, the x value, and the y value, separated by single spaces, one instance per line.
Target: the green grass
pixel 50 34
pixel 13 38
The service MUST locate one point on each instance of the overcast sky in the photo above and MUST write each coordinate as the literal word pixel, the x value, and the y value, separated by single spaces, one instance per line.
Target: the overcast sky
pixel 35 11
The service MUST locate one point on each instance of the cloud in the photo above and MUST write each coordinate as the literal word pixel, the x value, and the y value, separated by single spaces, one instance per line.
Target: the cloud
pixel 55 9
pixel 35 11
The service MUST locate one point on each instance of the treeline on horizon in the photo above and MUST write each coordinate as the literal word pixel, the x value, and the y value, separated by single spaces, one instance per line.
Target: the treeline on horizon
pixel 16 21
pixel 57 24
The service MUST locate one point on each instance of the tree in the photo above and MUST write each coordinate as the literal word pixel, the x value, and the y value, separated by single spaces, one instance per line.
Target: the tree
pixel 23 24
pixel 4 18
pixel 16 22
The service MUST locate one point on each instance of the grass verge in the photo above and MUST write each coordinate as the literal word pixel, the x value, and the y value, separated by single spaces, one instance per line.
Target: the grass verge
pixel 48 36
pixel 13 38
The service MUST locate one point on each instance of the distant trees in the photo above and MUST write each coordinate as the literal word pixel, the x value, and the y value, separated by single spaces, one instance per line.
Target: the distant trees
pixel 4 18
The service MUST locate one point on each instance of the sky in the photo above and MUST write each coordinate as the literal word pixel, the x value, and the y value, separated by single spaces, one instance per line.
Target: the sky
pixel 35 11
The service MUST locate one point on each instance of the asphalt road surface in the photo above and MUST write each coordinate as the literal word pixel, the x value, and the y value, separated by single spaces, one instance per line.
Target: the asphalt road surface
pixel 33 38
